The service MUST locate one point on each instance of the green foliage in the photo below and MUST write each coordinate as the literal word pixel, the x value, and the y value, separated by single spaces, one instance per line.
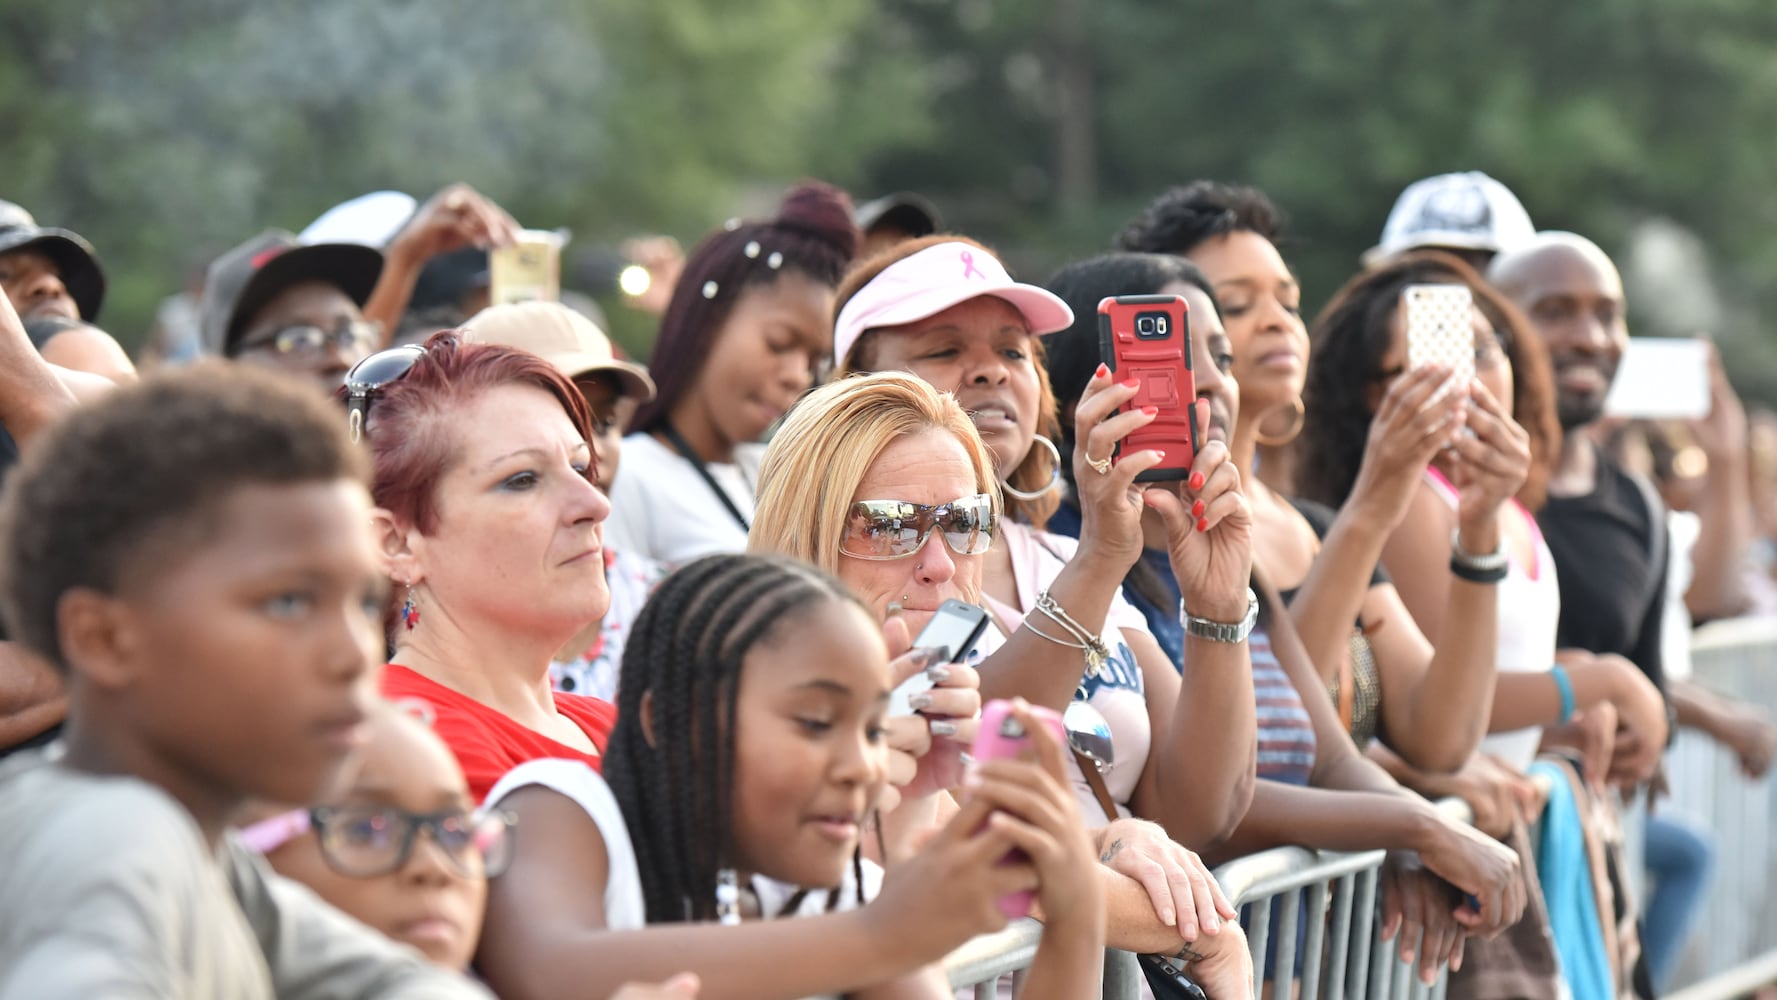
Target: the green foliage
pixel 167 132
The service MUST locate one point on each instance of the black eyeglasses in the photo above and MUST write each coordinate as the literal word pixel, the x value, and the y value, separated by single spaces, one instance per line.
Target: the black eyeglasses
pixel 307 338
pixel 369 376
pixel 367 841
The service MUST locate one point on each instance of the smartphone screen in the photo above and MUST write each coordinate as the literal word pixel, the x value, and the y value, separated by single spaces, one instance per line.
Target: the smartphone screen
pixel 1440 329
pixel 1661 379
pixel 1147 338
pixel 955 627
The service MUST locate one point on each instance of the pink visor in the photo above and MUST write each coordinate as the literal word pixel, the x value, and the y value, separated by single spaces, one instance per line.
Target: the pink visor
pixel 933 280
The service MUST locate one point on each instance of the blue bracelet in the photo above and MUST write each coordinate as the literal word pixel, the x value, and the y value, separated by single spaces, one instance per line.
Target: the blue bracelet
pixel 1565 687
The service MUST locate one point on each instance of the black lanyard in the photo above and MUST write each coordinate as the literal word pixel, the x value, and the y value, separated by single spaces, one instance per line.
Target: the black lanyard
pixel 685 452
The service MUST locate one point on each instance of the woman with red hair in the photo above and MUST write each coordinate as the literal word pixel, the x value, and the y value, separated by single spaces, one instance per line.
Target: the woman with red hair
pixel 491 529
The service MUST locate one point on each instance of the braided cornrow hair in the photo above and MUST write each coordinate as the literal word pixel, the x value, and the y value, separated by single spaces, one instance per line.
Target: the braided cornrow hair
pixel 686 650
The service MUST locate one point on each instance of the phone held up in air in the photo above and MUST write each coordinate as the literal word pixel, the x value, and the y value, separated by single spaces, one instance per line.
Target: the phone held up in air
pixel 1000 737
pixel 1148 338
pixel 1441 331
pixel 956 627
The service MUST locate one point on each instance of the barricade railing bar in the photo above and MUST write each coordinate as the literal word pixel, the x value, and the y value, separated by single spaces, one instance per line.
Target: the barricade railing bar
pixel 1333 897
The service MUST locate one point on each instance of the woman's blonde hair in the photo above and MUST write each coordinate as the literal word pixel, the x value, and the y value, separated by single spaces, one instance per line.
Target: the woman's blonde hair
pixel 1036 470
pixel 826 447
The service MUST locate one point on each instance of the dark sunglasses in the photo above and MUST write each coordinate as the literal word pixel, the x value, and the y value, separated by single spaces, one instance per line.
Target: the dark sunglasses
pixel 366 841
pixel 369 376
pixel 895 529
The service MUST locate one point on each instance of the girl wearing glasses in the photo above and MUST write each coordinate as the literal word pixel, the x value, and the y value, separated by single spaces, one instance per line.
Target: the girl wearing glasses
pixel 749 753
pixel 398 843
pixel 884 481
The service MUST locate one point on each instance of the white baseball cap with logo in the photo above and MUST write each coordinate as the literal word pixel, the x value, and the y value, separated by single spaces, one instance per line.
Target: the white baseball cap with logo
pixel 1468 211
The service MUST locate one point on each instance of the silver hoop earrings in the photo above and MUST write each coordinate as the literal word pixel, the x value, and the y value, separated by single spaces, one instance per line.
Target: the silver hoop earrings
pixel 1054 477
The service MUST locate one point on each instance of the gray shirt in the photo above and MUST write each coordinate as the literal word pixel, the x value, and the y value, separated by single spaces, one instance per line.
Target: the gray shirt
pixel 108 891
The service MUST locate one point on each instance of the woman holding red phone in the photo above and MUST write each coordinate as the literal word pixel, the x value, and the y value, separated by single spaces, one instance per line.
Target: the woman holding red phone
pixel 1326 563
pixel 1314 788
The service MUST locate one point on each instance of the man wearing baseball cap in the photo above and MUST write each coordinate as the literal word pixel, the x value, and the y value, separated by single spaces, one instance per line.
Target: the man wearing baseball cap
pixel 53 274
pixel 296 307
pixel 1470 215
pixel 313 308
pixel 613 388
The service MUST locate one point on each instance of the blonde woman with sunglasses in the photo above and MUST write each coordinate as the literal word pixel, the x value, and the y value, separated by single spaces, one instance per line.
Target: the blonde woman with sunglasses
pixel 883 481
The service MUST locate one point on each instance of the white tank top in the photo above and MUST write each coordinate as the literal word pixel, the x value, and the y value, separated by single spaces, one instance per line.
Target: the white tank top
pixel 1529 609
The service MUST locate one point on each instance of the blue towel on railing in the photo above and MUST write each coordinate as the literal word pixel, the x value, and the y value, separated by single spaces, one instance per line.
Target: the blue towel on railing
pixel 1565 871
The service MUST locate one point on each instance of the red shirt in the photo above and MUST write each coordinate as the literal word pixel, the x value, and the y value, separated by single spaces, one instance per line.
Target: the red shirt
pixel 488 743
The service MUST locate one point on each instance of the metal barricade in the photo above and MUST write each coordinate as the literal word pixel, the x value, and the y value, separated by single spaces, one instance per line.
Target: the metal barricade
pixel 1734 945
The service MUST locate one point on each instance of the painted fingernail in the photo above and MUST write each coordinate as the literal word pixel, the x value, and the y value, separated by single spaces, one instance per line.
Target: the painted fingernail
pixel 1197 509
pixel 1203 524
pixel 938 673
pixel 1102 371
pixel 928 655
pixel 1196 480
pixel 921 701
pixel 1152 411
pixel 942 727
pixel 1133 383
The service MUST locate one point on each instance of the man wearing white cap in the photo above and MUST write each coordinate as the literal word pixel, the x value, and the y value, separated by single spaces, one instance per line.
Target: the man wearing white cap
pixel 1470 215
pixel 613 388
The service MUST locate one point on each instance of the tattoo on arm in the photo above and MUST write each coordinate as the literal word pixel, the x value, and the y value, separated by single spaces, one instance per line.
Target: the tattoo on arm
pixel 1112 851
pixel 1189 954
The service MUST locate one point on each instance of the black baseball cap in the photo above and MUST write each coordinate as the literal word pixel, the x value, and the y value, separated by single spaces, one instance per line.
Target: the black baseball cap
pixel 913 214
pixel 243 280
pixel 72 255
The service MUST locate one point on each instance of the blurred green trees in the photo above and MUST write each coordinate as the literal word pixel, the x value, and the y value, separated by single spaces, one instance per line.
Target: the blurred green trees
pixel 167 131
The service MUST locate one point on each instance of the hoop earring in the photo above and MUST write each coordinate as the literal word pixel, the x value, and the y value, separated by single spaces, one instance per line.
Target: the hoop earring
pixel 1054 477
pixel 1279 440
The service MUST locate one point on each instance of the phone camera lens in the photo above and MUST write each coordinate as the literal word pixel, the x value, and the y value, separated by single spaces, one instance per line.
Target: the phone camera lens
pixel 1145 326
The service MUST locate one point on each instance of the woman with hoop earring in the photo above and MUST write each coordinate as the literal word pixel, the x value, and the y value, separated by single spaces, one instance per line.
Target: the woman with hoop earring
pixel 1326 563
pixel 1181 753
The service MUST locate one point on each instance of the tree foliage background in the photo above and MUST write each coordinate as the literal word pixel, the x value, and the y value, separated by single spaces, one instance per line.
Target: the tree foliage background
pixel 167 131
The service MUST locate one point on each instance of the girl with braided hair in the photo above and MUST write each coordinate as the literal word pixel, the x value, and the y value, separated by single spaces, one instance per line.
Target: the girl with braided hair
pixel 749 751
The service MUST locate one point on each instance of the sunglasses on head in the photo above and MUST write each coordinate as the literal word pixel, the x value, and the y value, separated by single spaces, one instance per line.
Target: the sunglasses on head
pixel 895 529
pixel 369 376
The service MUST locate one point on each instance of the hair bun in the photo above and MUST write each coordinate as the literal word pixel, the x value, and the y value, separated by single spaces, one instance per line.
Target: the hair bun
pixel 823 212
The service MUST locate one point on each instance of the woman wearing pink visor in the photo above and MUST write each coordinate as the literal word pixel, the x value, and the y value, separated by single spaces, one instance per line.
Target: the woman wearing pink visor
pixel 1149 744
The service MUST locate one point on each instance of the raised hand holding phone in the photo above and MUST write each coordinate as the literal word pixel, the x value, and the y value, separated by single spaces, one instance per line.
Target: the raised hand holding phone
pixel 1146 339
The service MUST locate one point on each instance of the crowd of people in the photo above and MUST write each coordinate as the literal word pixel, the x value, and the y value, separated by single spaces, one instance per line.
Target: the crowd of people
pixel 396 642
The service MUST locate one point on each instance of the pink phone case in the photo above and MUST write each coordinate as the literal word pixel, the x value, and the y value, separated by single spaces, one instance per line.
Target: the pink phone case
pixel 1440 330
pixel 1000 737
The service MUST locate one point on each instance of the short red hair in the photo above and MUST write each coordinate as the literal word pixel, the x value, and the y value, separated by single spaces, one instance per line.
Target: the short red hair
pixel 410 428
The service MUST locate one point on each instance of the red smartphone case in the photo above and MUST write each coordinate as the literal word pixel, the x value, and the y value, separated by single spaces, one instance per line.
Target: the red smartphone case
pixel 1132 345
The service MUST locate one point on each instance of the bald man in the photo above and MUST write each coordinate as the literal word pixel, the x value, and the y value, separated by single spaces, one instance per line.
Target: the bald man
pixel 1605 527
pixel 1607 531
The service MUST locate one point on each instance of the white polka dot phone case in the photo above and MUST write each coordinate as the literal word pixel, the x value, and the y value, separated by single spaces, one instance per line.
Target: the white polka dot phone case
pixel 1440 330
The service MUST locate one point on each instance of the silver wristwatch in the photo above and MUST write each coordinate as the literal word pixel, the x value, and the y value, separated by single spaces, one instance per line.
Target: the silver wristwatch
pixel 1230 632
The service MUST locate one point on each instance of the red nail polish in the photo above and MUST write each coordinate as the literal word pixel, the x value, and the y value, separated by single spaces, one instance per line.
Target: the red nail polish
pixel 1133 383
pixel 1202 524
pixel 1197 509
pixel 1102 371
pixel 1196 480
pixel 1152 411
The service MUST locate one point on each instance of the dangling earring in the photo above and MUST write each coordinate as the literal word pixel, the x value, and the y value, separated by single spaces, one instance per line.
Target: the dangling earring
pixel 727 898
pixel 410 612
pixel 1054 476
pixel 1279 440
